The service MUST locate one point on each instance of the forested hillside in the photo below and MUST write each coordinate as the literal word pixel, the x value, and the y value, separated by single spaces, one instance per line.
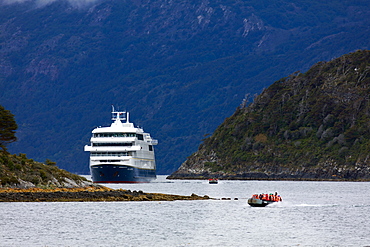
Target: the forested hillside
pixel 179 67
pixel 312 125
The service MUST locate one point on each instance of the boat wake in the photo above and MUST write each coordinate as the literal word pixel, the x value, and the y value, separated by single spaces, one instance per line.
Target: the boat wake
pixel 316 205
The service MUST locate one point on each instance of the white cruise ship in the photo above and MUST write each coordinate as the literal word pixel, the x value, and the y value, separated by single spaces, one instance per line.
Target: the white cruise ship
pixel 121 153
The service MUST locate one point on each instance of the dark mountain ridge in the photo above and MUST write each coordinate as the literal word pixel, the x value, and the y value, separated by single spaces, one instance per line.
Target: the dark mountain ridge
pixel 179 67
pixel 310 126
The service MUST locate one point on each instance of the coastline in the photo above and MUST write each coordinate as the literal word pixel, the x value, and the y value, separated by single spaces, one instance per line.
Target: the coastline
pixel 87 194
pixel 270 177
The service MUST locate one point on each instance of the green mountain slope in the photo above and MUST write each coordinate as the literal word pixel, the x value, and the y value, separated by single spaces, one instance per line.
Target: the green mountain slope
pixel 314 125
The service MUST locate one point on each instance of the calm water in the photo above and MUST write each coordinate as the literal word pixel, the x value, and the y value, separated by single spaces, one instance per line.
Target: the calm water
pixel 312 214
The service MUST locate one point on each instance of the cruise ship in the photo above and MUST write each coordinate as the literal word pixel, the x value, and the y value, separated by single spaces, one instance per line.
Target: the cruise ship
pixel 121 153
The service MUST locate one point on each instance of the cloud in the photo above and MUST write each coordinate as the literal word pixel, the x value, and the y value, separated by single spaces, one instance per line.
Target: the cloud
pixel 42 3
pixel 12 1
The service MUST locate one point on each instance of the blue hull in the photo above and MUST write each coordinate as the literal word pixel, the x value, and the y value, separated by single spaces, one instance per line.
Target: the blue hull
pixel 107 173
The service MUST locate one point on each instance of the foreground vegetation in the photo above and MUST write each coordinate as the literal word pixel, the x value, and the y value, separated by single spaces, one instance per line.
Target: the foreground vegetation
pixel 18 171
pixel 21 172
pixel 311 126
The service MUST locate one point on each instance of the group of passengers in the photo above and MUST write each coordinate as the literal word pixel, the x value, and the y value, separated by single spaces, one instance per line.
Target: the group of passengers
pixel 268 197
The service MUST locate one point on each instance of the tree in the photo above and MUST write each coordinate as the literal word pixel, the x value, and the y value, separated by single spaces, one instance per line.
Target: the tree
pixel 8 127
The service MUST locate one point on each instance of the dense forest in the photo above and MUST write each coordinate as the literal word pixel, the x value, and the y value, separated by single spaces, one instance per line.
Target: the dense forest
pixel 312 125
pixel 179 67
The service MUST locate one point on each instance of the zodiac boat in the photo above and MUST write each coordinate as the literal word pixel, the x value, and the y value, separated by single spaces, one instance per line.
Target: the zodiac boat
pixel 263 200
pixel 213 181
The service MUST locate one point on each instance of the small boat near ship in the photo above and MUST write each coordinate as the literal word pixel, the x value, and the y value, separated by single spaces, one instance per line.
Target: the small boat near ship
pixel 213 181
pixel 262 200
pixel 121 153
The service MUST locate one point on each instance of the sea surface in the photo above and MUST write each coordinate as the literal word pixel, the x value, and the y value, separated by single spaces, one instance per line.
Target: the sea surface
pixel 311 214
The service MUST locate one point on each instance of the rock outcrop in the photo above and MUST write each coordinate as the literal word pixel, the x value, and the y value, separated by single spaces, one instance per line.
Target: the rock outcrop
pixel 87 194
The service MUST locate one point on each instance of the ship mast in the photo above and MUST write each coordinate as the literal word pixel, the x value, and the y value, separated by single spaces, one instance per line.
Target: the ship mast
pixel 119 115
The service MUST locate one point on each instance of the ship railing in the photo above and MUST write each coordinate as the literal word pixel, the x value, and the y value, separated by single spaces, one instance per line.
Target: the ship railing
pixel 112 148
pixel 154 142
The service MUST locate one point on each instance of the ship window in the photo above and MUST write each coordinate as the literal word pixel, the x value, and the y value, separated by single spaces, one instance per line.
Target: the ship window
pixel 109 154
pixel 111 144
pixel 114 135
pixel 150 148
pixel 140 137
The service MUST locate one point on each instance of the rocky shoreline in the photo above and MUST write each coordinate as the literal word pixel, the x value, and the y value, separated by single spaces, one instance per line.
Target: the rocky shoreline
pixel 314 176
pixel 87 194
